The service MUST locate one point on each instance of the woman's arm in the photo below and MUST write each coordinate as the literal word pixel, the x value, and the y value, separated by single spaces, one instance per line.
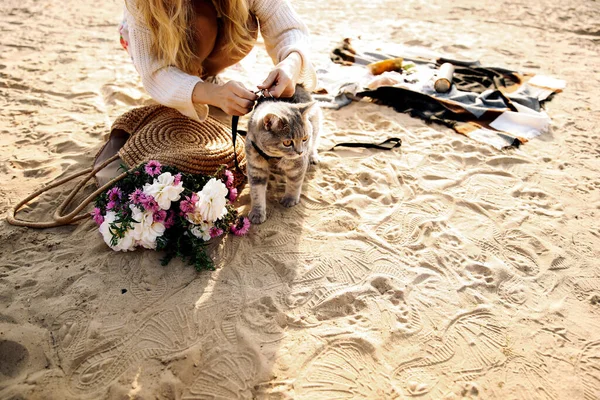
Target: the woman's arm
pixel 287 41
pixel 168 85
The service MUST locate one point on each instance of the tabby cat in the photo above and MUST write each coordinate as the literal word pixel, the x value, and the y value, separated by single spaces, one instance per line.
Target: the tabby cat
pixel 282 133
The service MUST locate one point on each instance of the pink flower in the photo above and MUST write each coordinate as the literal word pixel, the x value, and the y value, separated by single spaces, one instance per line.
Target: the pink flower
pixel 241 227
pixel 170 221
pixel 215 232
pixel 97 216
pixel 187 206
pixel 150 204
pixel 114 194
pixel 152 168
pixel 137 197
pixel 177 179
pixel 233 194
pixel 228 178
pixel 111 205
pixel 160 216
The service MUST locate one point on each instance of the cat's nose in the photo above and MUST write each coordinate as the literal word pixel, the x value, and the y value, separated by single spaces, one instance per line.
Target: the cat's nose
pixel 299 152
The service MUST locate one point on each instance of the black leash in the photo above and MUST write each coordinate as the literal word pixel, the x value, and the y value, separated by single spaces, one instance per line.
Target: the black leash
pixel 234 123
pixel 388 144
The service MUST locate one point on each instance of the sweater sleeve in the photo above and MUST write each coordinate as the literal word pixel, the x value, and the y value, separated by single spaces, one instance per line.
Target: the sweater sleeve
pixel 168 85
pixel 284 33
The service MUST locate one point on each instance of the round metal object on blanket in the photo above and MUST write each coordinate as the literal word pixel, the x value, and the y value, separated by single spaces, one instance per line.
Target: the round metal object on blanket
pixel 163 134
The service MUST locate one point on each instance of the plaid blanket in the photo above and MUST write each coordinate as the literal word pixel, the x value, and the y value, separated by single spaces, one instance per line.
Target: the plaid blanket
pixel 496 106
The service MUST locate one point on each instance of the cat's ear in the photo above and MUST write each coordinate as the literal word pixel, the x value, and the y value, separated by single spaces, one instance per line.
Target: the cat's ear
pixel 306 107
pixel 272 122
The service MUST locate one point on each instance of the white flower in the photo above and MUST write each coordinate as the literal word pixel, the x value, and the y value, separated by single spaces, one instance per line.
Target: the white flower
pixel 145 231
pixel 202 231
pixel 164 190
pixel 211 201
pixel 126 243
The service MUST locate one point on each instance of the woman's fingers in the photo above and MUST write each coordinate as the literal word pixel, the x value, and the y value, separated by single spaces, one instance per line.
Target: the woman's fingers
pixel 245 104
pixel 279 83
pixel 240 100
pixel 241 91
pixel 236 109
pixel 272 78
pixel 277 90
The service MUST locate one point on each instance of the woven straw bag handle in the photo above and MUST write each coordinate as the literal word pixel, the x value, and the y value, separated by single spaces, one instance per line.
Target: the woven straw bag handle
pixel 59 219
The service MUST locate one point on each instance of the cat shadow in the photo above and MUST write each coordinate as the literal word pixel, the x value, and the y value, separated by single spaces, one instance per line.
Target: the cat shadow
pixel 269 279
pixel 258 272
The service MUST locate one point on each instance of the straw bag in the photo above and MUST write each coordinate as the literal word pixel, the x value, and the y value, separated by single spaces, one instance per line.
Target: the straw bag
pixel 140 135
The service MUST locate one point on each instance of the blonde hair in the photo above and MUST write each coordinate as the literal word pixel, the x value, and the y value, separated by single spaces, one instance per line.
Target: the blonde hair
pixel 173 40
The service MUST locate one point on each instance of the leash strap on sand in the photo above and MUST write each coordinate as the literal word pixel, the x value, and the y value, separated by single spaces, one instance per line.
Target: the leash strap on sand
pixel 58 218
pixel 388 144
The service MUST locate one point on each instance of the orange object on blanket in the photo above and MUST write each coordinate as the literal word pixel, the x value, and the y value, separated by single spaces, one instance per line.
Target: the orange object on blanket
pixel 379 67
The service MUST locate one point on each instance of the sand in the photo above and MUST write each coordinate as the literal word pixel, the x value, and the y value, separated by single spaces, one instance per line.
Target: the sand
pixel 445 269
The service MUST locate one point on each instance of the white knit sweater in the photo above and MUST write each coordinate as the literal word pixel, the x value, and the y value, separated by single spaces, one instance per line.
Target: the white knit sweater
pixel 280 26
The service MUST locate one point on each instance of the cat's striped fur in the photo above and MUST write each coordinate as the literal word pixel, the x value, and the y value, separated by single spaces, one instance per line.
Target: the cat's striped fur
pixel 286 132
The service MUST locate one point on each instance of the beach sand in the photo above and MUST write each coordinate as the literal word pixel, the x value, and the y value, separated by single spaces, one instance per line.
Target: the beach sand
pixel 444 269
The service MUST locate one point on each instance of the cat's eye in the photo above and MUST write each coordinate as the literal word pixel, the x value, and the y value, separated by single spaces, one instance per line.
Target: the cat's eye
pixel 305 138
pixel 287 143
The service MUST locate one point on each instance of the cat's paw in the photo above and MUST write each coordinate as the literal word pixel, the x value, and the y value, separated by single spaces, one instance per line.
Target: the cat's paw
pixel 257 216
pixel 314 159
pixel 289 201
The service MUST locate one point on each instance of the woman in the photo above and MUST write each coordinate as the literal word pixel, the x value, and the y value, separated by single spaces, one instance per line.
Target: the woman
pixel 176 45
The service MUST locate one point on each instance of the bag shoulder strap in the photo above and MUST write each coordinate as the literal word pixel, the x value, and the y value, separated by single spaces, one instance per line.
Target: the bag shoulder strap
pixel 58 218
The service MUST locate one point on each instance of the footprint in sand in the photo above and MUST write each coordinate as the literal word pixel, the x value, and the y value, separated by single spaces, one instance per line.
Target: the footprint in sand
pixel 491 189
pixel 264 316
pixel 474 337
pixel 161 335
pixel 406 224
pixel 585 287
pixel 69 332
pixel 345 369
pixel 469 350
pixel 166 333
pixel 588 369
pixel 228 375
pixel 381 304
pixel 514 291
pixel 527 291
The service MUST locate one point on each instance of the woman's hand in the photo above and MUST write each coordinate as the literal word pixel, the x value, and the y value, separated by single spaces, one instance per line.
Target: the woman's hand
pixel 233 97
pixel 281 81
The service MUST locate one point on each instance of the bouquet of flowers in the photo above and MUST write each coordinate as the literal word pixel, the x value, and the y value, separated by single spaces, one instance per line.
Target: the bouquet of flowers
pixel 157 207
